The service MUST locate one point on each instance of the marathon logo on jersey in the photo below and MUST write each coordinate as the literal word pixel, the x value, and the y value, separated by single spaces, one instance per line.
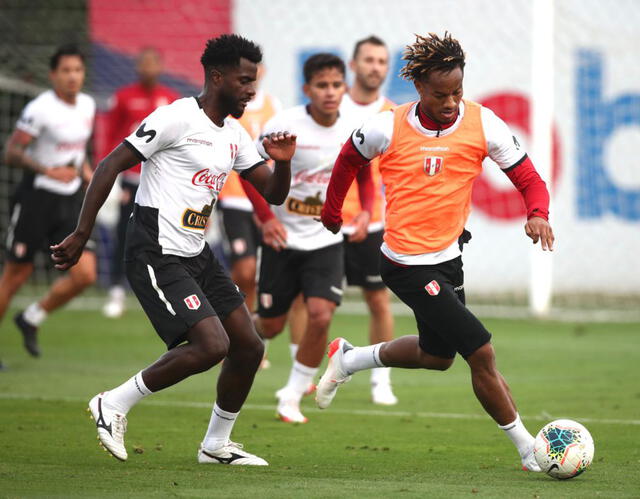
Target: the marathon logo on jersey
pixel 192 219
pixel 234 151
pixel 433 165
pixel 310 206
pixel 207 178
pixel 433 288
pixel 192 302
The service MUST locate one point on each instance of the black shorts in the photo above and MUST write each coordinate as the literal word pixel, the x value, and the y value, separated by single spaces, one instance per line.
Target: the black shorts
pixel 242 233
pixel 176 292
pixel 362 262
pixel 435 293
pixel 284 274
pixel 40 218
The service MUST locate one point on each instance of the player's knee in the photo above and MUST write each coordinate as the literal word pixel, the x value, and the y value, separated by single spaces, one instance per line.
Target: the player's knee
pixel 211 353
pixel 482 359
pixel 271 327
pixel 320 317
pixel 85 277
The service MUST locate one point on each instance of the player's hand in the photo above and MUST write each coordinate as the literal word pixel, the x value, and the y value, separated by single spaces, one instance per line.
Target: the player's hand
pixel 274 234
pixel 62 173
pixel 67 253
pixel 280 146
pixel 331 227
pixel 361 224
pixel 539 229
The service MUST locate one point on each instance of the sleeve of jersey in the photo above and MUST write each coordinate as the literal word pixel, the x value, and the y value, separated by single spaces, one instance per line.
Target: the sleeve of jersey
pixel 533 189
pixel 247 155
pixel 365 188
pixel 345 169
pixel 157 131
pixel 260 205
pixel 30 121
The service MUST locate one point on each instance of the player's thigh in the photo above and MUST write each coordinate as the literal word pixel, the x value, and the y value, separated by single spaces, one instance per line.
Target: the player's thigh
pixel 362 262
pixel 221 292
pixel 85 271
pixel 32 214
pixel 241 232
pixel 241 331
pixel 322 272
pixel 279 281
pixel 429 290
pixel 169 295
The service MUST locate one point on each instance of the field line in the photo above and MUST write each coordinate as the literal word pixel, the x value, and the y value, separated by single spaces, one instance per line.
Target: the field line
pixel 544 416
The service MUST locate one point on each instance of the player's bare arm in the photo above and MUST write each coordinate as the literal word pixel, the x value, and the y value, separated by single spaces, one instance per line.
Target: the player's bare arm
pixel 15 155
pixel 538 229
pixel 274 185
pixel 67 253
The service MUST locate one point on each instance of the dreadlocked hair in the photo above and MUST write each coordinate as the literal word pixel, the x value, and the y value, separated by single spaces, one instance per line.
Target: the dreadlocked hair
pixel 431 53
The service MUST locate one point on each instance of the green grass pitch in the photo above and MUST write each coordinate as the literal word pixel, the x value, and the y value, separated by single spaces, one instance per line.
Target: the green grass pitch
pixel 437 442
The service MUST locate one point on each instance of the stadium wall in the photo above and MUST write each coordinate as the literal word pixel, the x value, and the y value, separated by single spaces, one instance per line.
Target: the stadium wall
pixel 596 184
pixel 596 201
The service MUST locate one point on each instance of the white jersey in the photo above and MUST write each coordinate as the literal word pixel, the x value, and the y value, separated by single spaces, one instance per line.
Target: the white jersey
pixel 61 131
pixel 374 138
pixel 359 113
pixel 185 161
pixel 317 148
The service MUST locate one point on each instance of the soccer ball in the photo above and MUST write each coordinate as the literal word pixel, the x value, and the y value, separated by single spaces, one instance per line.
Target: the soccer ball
pixel 563 449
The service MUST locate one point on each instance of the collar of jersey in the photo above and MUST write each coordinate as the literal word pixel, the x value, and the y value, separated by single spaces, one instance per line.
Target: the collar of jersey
pixel 211 123
pixel 414 121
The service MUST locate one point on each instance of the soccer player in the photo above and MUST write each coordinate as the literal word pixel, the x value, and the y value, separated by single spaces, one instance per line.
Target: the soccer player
pixel 305 258
pixel 237 212
pixel 130 105
pixel 49 143
pixel 370 65
pixel 430 153
pixel 187 150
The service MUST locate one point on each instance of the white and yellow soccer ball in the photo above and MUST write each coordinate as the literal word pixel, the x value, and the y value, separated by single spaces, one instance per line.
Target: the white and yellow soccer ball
pixel 563 449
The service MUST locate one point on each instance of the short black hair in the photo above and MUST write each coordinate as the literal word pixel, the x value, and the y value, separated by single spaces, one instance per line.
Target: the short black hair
pixel 318 62
pixel 372 40
pixel 64 50
pixel 227 50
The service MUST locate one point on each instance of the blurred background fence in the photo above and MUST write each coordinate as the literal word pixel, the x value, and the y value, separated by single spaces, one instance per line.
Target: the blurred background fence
pixel 593 164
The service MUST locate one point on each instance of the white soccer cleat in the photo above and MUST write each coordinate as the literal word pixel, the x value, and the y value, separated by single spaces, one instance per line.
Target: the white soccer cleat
pixel 335 374
pixel 282 392
pixel 382 394
pixel 111 426
pixel 289 411
pixel 232 453
pixel 529 462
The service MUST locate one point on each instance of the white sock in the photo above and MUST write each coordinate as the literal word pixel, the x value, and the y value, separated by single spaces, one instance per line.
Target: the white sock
pixel 128 394
pixel 299 379
pixel 381 376
pixel 34 314
pixel 518 434
pixel 293 350
pixel 220 426
pixel 360 358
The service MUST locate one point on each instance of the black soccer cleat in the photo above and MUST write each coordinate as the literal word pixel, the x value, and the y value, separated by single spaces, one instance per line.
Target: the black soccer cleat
pixel 29 335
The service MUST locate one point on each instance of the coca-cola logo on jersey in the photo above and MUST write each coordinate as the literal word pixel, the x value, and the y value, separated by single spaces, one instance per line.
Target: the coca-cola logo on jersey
pixel 304 177
pixel 206 178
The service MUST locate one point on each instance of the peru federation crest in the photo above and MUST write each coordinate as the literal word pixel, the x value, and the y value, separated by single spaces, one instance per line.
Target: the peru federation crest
pixel 433 288
pixel 433 165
